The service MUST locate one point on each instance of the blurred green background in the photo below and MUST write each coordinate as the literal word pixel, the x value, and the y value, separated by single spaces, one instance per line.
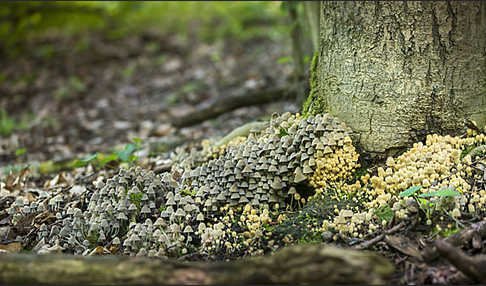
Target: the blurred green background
pixel 208 21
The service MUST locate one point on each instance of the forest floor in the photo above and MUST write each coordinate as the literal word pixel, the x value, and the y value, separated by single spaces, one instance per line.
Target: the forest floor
pixel 73 97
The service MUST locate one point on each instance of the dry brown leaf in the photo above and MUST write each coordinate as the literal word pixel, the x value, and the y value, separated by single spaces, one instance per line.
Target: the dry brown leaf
pixel 14 247
pixel 404 245
pixel 114 249
pixel 97 251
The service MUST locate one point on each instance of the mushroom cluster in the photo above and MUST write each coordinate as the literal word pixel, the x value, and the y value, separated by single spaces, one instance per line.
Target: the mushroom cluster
pixel 101 217
pixel 221 198
pixel 229 198
pixel 265 168
pixel 442 163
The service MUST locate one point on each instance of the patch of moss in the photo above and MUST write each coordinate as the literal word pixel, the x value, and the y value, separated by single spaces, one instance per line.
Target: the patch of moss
pixel 136 199
pixel 314 103
pixel 300 224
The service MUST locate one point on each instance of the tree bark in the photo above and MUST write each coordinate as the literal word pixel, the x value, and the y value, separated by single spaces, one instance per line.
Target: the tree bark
pixel 304 264
pixel 397 71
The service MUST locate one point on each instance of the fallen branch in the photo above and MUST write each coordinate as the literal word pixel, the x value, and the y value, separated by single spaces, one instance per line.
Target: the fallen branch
pixel 241 131
pixel 458 239
pixel 220 105
pixel 304 264
pixel 368 243
pixel 473 267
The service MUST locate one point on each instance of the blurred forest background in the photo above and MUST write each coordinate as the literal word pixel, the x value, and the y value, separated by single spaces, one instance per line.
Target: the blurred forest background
pixel 78 78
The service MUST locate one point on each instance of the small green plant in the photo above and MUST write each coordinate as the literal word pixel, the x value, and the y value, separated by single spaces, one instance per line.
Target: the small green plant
pixel 100 159
pixel 20 152
pixel 449 231
pixel 385 213
pixel 285 60
pixel 188 192
pixel 128 72
pixel 84 161
pixel 126 155
pixel 3 77
pixel 283 132
pixel 68 91
pixel 310 238
pixel 136 199
pixel 423 201
pixel 7 125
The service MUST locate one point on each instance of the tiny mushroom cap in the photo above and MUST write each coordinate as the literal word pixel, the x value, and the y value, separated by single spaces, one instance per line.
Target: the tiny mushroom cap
pixel 175 227
pixel 164 213
pixel 148 222
pixel 157 233
pixel 121 216
pixel 200 217
pixel 169 195
pixel 159 222
pixel 188 229
pixel 307 169
pixel 171 202
pixel 145 209
pixel 201 227
pixel 327 150
pixel 277 184
pixel 180 213
pixel 101 237
pixel 299 176
pixel 292 191
pixel 132 207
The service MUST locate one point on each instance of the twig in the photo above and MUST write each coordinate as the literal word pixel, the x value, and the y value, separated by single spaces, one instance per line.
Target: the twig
pixel 220 105
pixel 376 239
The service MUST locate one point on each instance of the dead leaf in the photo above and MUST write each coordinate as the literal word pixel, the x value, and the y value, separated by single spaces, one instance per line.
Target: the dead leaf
pixel 404 245
pixel 30 197
pixel 14 247
pixel 114 249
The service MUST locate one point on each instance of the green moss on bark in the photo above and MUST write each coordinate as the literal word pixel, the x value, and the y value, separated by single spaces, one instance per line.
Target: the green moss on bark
pixel 314 103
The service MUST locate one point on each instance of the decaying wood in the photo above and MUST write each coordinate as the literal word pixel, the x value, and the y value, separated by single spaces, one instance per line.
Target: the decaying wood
pixel 223 104
pixel 473 267
pixel 458 239
pixel 303 264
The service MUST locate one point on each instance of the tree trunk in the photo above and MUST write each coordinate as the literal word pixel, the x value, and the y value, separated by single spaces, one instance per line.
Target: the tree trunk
pixel 396 71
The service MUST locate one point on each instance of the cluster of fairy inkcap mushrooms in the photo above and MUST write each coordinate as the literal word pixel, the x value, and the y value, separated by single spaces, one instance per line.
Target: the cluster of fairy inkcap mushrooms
pixel 218 201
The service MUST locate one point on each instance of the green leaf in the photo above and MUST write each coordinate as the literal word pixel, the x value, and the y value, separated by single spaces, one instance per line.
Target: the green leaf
pixel 79 163
pixel 20 151
pixel 108 158
pixel 137 141
pixel 89 158
pixel 124 154
pixel 410 191
pixel 441 193
pixel 285 60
